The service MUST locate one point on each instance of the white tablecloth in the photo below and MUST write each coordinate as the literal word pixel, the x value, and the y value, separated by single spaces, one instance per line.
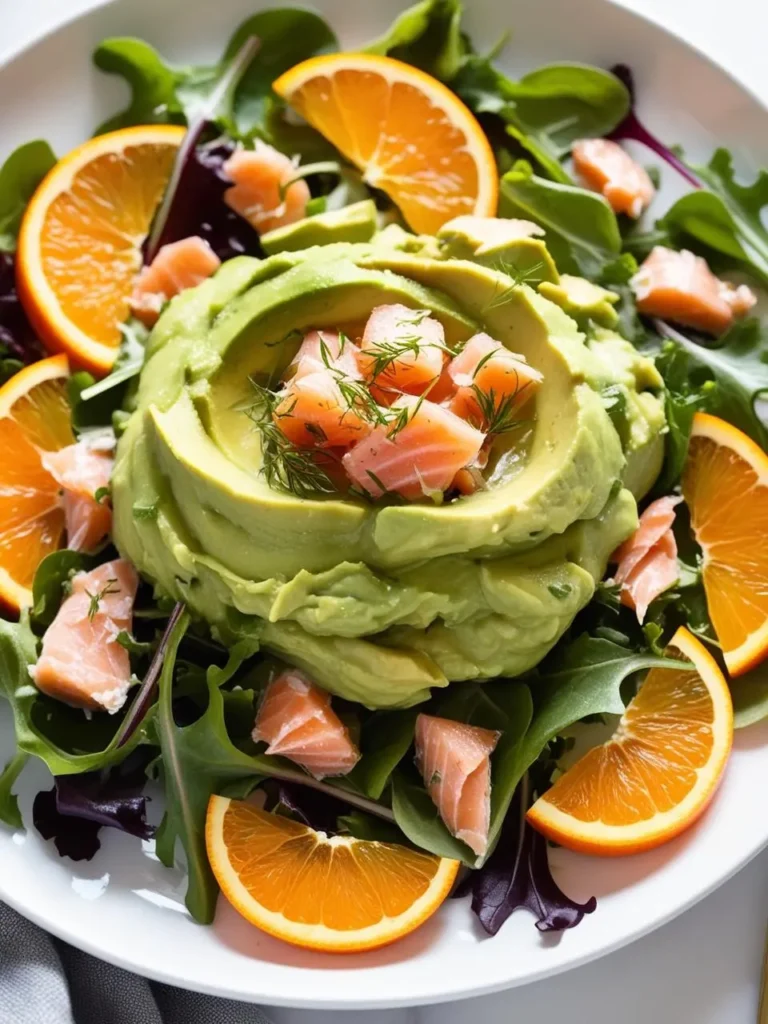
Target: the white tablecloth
pixel 703 968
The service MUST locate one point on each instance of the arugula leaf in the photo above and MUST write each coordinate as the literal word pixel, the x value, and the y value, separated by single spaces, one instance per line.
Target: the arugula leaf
pixel 9 805
pixel 151 81
pixel 737 363
pixel 732 220
pixel 20 175
pixel 581 228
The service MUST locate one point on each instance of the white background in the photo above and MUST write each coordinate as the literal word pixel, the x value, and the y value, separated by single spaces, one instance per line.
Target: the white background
pixel 703 968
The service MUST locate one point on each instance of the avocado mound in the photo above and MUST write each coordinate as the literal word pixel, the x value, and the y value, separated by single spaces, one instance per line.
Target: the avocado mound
pixel 380 602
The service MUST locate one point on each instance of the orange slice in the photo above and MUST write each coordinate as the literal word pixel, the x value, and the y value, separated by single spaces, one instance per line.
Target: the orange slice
pixel 408 133
pixel 337 894
pixel 80 241
pixel 725 483
pixel 34 418
pixel 659 771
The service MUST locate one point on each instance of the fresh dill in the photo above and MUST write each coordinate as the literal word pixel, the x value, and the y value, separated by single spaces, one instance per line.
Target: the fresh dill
pixel 498 411
pixel 517 277
pixel 355 393
pixel 96 599
pixel 384 353
pixel 285 466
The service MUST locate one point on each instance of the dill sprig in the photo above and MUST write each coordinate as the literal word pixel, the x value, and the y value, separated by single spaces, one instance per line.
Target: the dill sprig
pixel 355 393
pixel 497 411
pixel 385 352
pixel 517 277
pixel 96 599
pixel 285 466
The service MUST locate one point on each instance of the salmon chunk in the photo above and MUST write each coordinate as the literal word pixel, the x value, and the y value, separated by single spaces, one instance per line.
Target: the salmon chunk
pixel 297 721
pixel 258 175
pixel 81 471
pixel 680 286
pixel 322 350
pixel 313 413
pixel 647 562
pixel 610 170
pixel 177 266
pixel 454 760
pixel 420 459
pixel 402 349
pixel 504 380
pixel 81 662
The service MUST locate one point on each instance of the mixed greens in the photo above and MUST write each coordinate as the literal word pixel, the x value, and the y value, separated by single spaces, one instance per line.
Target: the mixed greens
pixel 189 723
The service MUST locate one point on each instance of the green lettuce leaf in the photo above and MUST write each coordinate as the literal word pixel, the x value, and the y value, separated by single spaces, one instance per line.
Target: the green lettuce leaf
pixel 427 35
pixel 750 697
pixel 581 229
pixel 20 175
pixel 9 804
pixel 151 81
pixel 385 740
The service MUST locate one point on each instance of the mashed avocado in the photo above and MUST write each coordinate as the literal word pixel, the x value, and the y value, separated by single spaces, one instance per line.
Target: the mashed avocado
pixel 380 602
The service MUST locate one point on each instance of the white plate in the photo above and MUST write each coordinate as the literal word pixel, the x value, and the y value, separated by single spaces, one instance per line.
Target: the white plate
pixel 123 906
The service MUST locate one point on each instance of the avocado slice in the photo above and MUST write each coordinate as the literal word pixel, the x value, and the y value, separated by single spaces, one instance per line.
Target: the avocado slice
pixel 354 223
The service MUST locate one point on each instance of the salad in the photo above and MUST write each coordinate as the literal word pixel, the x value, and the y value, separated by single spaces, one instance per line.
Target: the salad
pixel 372 430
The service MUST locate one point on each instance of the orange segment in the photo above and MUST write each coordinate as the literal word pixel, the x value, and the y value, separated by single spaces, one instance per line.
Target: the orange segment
pixel 34 418
pixel 80 241
pixel 409 134
pixel 336 894
pixel 725 483
pixel 658 772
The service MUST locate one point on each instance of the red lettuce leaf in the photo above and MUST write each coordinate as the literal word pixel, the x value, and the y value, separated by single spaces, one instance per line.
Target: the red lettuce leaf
pixel 632 128
pixel 517 876
pixel 79 806
pixel 17 337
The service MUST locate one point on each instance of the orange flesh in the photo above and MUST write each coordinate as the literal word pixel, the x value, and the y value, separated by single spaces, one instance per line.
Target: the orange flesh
pixel 729 516
pixel 291 870
pixel 31 516
pixel 375 122
pixel 92 235
pixel 651 763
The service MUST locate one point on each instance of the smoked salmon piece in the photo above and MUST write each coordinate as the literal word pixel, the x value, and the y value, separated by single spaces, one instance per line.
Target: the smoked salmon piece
pixel 610 170
pixel 297 721
pixel 322 350
pixel 418 459
pixel 454 760
pixel 257 176
pixel 647 562
pixel 680 286
pixel 402 349
pixel 504 379
pixel 81 471
pixel 313 413
pixel 81 662
pixel 177 266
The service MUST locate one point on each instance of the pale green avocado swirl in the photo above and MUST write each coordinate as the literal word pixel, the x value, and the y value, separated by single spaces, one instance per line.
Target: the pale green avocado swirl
pixel 378 603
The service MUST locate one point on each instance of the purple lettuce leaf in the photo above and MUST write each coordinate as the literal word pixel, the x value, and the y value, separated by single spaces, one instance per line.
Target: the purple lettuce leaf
pixel 517 876
pixel 79 806
pixel 318 810
pixel 198 207
pixel 632 128
pixel 18 339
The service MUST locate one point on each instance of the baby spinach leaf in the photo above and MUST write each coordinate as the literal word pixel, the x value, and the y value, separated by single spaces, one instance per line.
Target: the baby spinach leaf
pixel 51 581
pixel 418 817
pixel 581 228
pixel 750 697
pixel 738 364
pixel 151 81
pixel 20 175
pixel 385 740
pixel 428 35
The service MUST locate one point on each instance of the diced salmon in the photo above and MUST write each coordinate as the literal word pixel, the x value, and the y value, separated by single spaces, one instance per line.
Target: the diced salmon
pixel 402 349
pixel 81 471
pixel 680 286
pixel 647 562
pixel 419 460
pixel 297 721
pixel 505 380
pixel 313 413
pixel 454 760
pixel 258 175
pixel 322 350
pixel 609 169
pixel 467 481
pixel 177 266
pixel 81 662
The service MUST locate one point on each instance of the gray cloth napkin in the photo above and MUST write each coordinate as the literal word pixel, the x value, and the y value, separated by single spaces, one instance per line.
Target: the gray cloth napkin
pixel 46 981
